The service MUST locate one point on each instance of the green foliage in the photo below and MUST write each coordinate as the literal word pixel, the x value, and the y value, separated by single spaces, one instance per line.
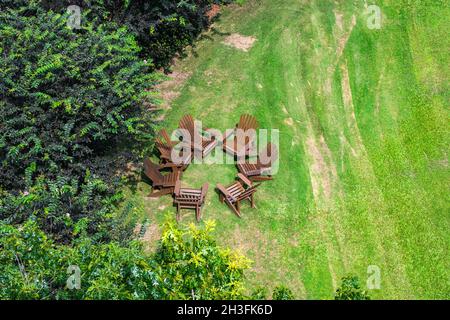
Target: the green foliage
pixel 63 207
pixel 188 265
pixel 194 267
pixel 282 293
pixel 351 290
pixel 163 28
pixel 260 293
pixel 33 267
pixel 71 100
pixel 68 96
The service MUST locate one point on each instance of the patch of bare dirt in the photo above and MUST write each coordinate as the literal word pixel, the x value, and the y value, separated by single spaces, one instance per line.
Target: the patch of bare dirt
pixel 342 41
pixel 342 36
pixel 257 246
pixel 289 121
pixel 151 237
pixel 213 12
pixel 265 252
pixel 170 89
pixel 346 89
pixel 240 42
pixel 322 174
pixel 137 229
pixel 339 17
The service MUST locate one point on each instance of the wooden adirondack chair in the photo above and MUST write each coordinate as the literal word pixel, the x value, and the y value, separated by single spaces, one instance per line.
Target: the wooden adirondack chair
pixel 164 139
pixel 165 147
pixel 186 198
pixel 161 184
pixel 199 143
pixel 241 146
pixel 241 190
pixel 261 170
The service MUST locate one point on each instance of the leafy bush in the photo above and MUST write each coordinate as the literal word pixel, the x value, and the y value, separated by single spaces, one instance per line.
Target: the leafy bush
pixel 188 265
pixel 72 114
pixel 259 293
pixel 33 267
pixel 351 290
pixel 68 98
pixel 282 293
pixel 64 207
pixel 194 267
pixel 163 28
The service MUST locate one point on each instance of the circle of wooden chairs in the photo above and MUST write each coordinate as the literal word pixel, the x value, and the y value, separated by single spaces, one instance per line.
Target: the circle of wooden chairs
pixel 237 142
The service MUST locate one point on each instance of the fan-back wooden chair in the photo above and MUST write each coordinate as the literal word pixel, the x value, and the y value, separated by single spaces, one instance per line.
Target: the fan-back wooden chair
pixel 241 190
pixel 241 146
pixel 161 184
pixel 198 142
pixel 262 169
pixel 166 147
pixel 186 198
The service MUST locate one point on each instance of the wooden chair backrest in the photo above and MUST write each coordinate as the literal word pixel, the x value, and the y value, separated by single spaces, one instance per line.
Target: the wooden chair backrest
pixel 151 170
pixel 165 136
pixel 224 191
pixel 160 144
pixel 246 122
pixel 187 123
pixel 268 155
pixel 244 180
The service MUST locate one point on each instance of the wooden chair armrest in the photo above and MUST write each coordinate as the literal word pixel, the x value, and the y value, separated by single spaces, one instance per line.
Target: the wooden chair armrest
pixel 146 164
pixel 197 147
pixel 224 190
pixel 228 133
pixel 266 170
pixel 205 131
pixel 204 191
pixel 177 187
pixel 244 179
pixel 168 165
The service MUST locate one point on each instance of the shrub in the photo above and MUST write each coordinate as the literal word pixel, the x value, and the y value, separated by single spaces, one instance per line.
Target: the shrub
pixel 282 293
pixel 64 208
pixel 69 98
pixel 351 290
pixel 188 265
pixel 33 267
pixel 163 28
pixel 194 267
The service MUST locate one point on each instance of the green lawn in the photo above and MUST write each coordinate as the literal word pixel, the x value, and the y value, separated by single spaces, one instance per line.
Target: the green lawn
pixel 364 138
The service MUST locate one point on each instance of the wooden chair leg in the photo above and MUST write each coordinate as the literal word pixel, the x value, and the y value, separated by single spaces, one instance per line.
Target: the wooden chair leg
pixel 252 201
pixel 232 207
pixel 197 213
